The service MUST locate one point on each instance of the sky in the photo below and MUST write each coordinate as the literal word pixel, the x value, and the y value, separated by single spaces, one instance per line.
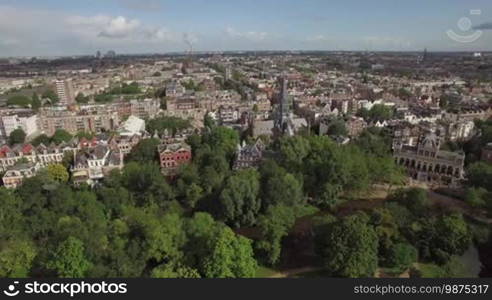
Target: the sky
pixel 61 27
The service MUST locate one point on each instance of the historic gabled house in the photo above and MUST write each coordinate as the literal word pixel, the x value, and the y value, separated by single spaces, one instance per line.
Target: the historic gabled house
pixel 425 162
pixel 249 156
pixel 172 156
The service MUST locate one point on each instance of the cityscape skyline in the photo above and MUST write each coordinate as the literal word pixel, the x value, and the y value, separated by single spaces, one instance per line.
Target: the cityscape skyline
pixel 55 28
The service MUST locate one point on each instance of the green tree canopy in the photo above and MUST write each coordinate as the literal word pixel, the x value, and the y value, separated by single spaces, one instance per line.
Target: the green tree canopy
pixel 380 112
pixel 16 257
pixel 402 256
pixel 18 136
pixel 68 260
pixel 274 226
pixel 231 256
pixel 144 151
pixel 349 247
pixel 239 200
pixel 35 102
pixel 57 172
pixel 60 136
pixel 480 175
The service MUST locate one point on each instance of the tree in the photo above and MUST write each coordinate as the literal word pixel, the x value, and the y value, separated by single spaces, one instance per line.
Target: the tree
pixel 11 219
pixel 415 199
pixel 35 102
pixel 274 226
pixel 84 134
pixel 41 139
pixel 16 257
pixel 388 233
pixel 144 151
pixel 68 260
pixel 230 257
pixel 337 128
pixel 171 124
pixel 146 183
pixel 222 138
pixel 363 113
pixel 329 196
pixel 60 136
pixel 18 136
pixel 452 235
pixel 349 247
pixel 57 172
pixel 239 200
pixel 193 193
pixel 278 186
pixel 293 152
pixel 380 112
pixel 172 271
pixel 81 98
pixel 384 170
pixel 19 100
pixel 480 175
pixel 402 256
pixel 375 141
pixel 50 94
pixel 475 197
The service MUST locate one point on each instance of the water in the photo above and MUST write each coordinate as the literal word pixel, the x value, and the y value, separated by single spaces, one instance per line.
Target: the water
pixel 471 262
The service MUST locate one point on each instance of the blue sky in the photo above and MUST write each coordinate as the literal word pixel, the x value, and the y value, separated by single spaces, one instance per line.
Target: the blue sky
pixel 56 27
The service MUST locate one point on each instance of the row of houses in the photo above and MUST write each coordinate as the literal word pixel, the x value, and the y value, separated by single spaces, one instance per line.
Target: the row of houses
pixel 92 159
pixel 88 118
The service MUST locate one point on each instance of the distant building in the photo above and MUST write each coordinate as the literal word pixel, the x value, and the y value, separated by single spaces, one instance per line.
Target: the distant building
pixel 228 114
pixel 172 156
pixel 28 123
pixel 263 128
pixel 124 143
pixel 44 155
pixel 283 113
pixel 174 89
pixel 65 92
pixel 145 109
pixel 93 164
pixel 110 54
pixel 249 156
pixel 15 176
pixel 285 122
pixel 461 130
pixel 132 126
pixel 355 126
pixel 427 163
pixel 93 119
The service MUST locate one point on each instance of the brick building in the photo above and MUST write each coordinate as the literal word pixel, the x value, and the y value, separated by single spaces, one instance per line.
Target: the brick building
pixel 172 156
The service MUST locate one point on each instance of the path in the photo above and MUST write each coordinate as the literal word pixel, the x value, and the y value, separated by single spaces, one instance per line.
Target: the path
pixel 293 272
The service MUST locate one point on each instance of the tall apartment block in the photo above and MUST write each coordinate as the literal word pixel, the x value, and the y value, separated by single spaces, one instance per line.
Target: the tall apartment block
pixel 64 89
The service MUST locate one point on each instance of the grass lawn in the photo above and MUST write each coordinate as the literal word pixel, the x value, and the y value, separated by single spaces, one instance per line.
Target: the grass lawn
pixel 430 270
pixel 264 272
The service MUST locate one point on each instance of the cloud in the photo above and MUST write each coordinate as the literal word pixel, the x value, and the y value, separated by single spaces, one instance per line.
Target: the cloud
pixel 120 27
pixel 249 35
pixel 484 26
pixel 102 26
pixel 47 32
